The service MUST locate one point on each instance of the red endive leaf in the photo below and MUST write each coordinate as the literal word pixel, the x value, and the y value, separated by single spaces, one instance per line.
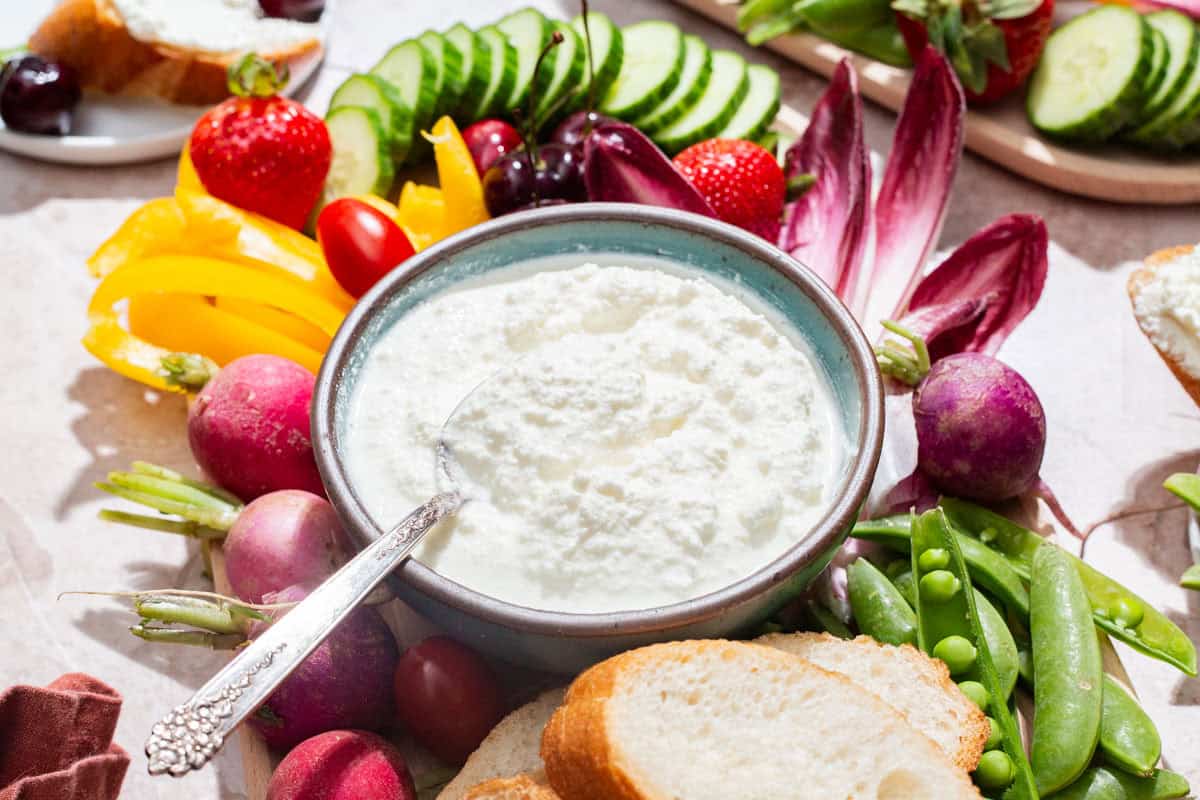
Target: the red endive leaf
pixel 912 201
pixel 621 165
pixel 828 227
pixel 941 325
pixel 1004 266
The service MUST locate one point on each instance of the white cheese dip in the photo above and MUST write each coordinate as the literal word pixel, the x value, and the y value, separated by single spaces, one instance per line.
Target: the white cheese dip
pixel 1168 309
pixel 643 437
pixel 214 26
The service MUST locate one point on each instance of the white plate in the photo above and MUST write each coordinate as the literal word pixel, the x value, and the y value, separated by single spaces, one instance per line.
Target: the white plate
pixel 120 130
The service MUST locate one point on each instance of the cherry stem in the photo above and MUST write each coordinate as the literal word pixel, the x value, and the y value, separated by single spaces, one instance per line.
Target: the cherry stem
pixel 254 76
pixel 908 363
pixel 587 41
pixel 528 126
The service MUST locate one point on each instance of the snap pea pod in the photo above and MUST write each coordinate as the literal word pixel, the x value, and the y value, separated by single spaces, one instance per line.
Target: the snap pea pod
pixel 1128 738
pixel 882 42
pixel 1067 671
pixel 1191 578
pixel 828 622
pixel 989 569
pixel 879 609
pixel 1000 642
pixel 907 587
pixel 1103 783
pixel 1116 609
pixel 949 628
pixel 836 17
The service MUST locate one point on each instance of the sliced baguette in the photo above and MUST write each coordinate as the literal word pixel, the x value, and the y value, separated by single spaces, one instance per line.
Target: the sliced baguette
pixel 91 37
pixel 1138 281
pixel 518 787
pixel 733 720
pixel 917 686
pixel 511 749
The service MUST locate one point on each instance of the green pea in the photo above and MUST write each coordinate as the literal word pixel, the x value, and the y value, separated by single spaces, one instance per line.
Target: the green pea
pixel 958 653
pixel 977 692
pixel 995 770
pixel 996 737
pixel 939 586
pixel 1127 612
pixel 934 558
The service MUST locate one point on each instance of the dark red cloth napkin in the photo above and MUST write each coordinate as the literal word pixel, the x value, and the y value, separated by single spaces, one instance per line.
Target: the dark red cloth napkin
pixel 56 742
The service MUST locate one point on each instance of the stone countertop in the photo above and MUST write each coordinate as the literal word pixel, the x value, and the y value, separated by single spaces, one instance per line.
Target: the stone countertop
pixel 1118 423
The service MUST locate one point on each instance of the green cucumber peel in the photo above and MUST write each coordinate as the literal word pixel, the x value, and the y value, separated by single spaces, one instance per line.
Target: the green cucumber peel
pixel 1116 609
pixel 958 616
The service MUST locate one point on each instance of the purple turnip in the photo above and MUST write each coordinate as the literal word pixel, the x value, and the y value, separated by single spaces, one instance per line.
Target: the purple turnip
pixel 981 430
pixel 345 683
pixel 342 765
pixel 249 427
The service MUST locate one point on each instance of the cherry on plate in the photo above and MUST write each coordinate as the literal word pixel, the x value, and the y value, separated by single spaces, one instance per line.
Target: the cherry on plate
pixel 39 96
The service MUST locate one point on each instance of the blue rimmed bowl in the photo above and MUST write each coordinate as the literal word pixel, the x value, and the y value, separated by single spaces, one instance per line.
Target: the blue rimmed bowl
pixel 566 642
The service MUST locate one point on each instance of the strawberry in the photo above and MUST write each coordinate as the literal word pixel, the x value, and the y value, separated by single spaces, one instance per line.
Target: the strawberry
pixel 993 44
pixel 259 151
pixel 741 181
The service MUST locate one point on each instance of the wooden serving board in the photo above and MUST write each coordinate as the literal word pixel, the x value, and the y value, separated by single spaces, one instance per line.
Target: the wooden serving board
pixel 1002 133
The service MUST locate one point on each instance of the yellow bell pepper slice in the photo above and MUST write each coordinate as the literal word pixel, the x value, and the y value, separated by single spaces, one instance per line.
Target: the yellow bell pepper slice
pixel 214 278
pixel 461 187
pixel 281 322
pixel 185 176
pixel 146 232
pixel 188 323
pixel 389 210
pixel 421 213
pixel 191 275
pixel 222 230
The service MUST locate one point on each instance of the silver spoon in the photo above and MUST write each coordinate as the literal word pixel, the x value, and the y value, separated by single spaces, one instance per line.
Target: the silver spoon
pixel 191 734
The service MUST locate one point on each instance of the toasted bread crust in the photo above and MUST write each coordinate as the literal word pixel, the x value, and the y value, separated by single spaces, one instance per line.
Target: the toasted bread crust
pixel 91 37
pixel 583 764
pixel 1137 281
pixel 518 787
pixel 930 671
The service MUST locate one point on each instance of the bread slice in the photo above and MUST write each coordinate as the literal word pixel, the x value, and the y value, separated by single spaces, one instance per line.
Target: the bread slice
pixel 518 787
pixel 917 686
pixel 735 721
pixel 511 749
pixel 1148 322
pixel 91 37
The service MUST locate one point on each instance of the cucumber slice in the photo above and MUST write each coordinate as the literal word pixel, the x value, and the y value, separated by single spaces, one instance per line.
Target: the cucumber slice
pixel 650 67
pixel 559 79
pixel 1092 74
pixel 501 58
pixel 1175 126
pixel 362 159
pixel 474 71
pixel 372 91
pixel 758 110
pixel 409 66
pixel 448 72
pixel 528 31
pixel 1158 66
pixel 693 79
pixel 1182 48
pixel 608 50
pixel 727 88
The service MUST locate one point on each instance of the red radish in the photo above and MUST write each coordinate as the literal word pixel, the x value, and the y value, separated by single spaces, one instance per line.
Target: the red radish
pixel 447 697
pixel 280 540
pixel 981 430
pixel 344 683
pixel 342 765
pixel 249 428
pixel 284 539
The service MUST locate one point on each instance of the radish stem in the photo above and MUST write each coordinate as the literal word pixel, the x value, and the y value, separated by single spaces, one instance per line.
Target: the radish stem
pixel 908 363
pixel 214 641
pixel 180 527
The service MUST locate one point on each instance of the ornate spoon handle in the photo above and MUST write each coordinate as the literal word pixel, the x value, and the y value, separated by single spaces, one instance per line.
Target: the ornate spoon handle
pixel 187 737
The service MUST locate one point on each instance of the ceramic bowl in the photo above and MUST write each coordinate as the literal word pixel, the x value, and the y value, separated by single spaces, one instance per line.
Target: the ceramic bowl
pixel 565 642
